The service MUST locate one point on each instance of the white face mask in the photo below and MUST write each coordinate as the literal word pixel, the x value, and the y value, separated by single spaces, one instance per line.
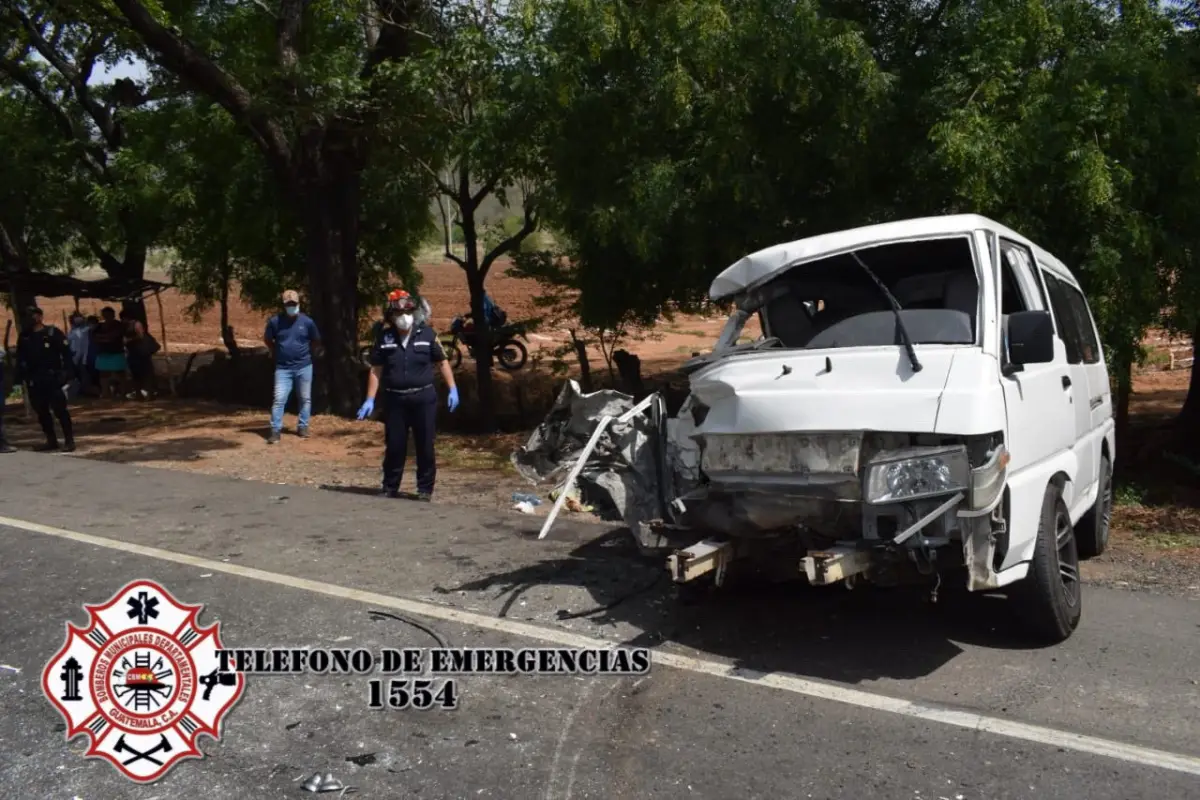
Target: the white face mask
pixel 404 321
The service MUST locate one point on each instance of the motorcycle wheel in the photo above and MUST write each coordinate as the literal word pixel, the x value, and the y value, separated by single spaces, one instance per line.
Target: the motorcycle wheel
pixel 512 355
pixel 454 355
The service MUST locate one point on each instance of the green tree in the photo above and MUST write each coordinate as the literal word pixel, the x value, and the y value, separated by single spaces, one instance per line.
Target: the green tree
pixel 687 134
pixel 311 85
pixel 484 139
pixel 52 58
pixel 37 191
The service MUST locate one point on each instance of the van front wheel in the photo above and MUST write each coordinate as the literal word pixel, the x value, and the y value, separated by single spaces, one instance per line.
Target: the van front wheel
pixel 1052 599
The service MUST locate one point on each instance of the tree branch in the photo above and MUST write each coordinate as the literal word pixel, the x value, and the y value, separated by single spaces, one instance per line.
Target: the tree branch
pixel 487 188
pixel 108 262
pixel 194 67
pixel 10 255
pixel 92 156
pixel 394 18
pixel 287 31
pixel 512 242
pixel 446 237
pixel 75 75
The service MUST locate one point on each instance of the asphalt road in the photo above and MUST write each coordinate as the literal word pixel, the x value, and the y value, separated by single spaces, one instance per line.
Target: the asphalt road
pixel 759 691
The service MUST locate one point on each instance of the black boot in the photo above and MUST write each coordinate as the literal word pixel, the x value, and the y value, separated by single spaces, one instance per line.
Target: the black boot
pixel 5 447
pixel 46 448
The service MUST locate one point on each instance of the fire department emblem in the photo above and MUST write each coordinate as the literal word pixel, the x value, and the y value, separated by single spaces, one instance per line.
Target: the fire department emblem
pixel 142 679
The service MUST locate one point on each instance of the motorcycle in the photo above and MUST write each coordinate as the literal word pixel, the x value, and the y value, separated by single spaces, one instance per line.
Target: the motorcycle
pixel 508 351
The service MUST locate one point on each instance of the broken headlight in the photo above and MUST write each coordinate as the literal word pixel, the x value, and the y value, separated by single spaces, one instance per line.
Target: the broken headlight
pixel 894 476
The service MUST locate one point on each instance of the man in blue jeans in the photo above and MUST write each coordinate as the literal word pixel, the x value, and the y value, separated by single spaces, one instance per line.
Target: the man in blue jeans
pixel 292 338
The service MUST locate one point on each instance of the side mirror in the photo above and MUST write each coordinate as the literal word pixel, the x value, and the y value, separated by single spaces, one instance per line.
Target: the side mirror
pixel 1030 338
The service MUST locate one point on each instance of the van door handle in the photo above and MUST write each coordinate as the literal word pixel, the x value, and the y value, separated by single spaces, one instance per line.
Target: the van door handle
pixel 1066 381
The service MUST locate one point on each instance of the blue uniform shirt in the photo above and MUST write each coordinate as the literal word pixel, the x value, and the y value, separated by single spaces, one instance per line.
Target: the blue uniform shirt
pixel 293 338
pixel 406 367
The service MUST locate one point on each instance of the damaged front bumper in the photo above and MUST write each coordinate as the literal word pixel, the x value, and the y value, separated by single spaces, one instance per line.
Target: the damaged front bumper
pixel 837 493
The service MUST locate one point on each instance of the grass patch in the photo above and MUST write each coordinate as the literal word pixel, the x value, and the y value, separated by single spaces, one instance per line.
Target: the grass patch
pixel 701 334
pixel 1129 494
pixel 479 453
pixel 1169 540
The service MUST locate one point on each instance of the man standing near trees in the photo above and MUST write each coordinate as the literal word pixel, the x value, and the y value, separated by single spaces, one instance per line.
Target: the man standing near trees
pixel 292 338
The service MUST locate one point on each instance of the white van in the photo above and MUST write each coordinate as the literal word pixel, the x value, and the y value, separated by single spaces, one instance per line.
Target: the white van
pixel 928 396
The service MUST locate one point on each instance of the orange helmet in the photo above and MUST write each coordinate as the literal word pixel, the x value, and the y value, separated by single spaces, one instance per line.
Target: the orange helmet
pixel 400 300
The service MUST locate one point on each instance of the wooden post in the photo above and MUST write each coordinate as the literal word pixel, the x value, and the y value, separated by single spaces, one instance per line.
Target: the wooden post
pixel 162 326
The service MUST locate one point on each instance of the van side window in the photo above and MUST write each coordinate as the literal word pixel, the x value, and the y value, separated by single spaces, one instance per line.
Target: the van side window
pixel 1064 317
pixel 1081 316
pixel 1014 262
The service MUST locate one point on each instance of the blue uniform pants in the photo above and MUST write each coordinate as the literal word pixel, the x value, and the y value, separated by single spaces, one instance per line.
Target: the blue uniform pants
pixel 285 379
pixel 416 411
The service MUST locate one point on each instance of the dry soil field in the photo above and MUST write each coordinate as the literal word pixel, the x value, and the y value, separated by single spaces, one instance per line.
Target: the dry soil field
pixel 444 286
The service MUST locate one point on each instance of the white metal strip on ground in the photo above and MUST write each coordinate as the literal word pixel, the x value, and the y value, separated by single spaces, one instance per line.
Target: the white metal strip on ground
pixel 1051 737
pixel 574 474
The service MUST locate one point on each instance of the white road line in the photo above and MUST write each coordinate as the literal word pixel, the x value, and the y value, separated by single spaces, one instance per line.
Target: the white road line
pixel 1037 734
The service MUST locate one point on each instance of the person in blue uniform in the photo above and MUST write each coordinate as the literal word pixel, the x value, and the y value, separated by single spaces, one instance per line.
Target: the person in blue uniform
pixel 404 357
pixel 44 364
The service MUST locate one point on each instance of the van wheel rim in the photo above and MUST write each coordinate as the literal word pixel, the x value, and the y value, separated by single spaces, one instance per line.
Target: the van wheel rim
pixel 1068 557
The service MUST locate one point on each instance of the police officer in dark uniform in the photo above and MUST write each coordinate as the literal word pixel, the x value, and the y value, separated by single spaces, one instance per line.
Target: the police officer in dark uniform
pixel 44 364
pixel 403 359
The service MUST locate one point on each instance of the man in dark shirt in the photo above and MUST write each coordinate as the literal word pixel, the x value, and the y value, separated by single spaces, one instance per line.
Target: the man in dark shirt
pixel 403 360
pixel 292 337
pixel 44 364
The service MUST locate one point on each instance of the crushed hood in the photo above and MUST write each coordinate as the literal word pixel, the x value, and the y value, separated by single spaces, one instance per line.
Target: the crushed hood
pixel 870 389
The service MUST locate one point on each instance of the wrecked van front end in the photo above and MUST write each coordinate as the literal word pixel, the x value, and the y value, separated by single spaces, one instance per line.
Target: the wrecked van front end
pixel 852 439
pixel 861 437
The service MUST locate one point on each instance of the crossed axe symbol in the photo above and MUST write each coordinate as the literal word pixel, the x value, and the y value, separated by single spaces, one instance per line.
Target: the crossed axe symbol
pixel 123 747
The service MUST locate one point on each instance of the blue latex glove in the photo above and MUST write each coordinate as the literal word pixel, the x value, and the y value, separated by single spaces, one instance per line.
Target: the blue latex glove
pixel 453 403
pixel 367 408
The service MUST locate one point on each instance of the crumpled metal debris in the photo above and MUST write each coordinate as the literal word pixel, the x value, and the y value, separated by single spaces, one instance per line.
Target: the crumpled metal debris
pixel 620 478
pixel 326 783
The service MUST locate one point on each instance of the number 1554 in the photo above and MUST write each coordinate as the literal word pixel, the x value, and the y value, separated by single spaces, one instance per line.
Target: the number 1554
pixel 418 694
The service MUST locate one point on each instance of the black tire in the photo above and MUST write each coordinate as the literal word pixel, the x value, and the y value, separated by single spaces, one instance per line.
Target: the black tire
pixel 512 355
pixel 1050 596
pixel 1092 531
pixel 454 355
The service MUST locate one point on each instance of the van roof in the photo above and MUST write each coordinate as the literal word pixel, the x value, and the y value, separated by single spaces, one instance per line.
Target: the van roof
pixel 754 270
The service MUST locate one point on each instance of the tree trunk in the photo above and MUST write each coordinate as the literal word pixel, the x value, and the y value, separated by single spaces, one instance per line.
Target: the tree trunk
pixel 227 333
pixel 483 331
pixel 1189 416
pixel 585 366
pixel 329 203
pixel 1123 373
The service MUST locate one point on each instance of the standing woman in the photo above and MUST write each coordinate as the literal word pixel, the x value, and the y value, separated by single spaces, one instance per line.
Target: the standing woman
pixel 110 353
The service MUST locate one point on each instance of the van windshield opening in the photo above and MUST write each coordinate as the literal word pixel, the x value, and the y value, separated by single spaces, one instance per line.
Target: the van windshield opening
pixel 832 302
